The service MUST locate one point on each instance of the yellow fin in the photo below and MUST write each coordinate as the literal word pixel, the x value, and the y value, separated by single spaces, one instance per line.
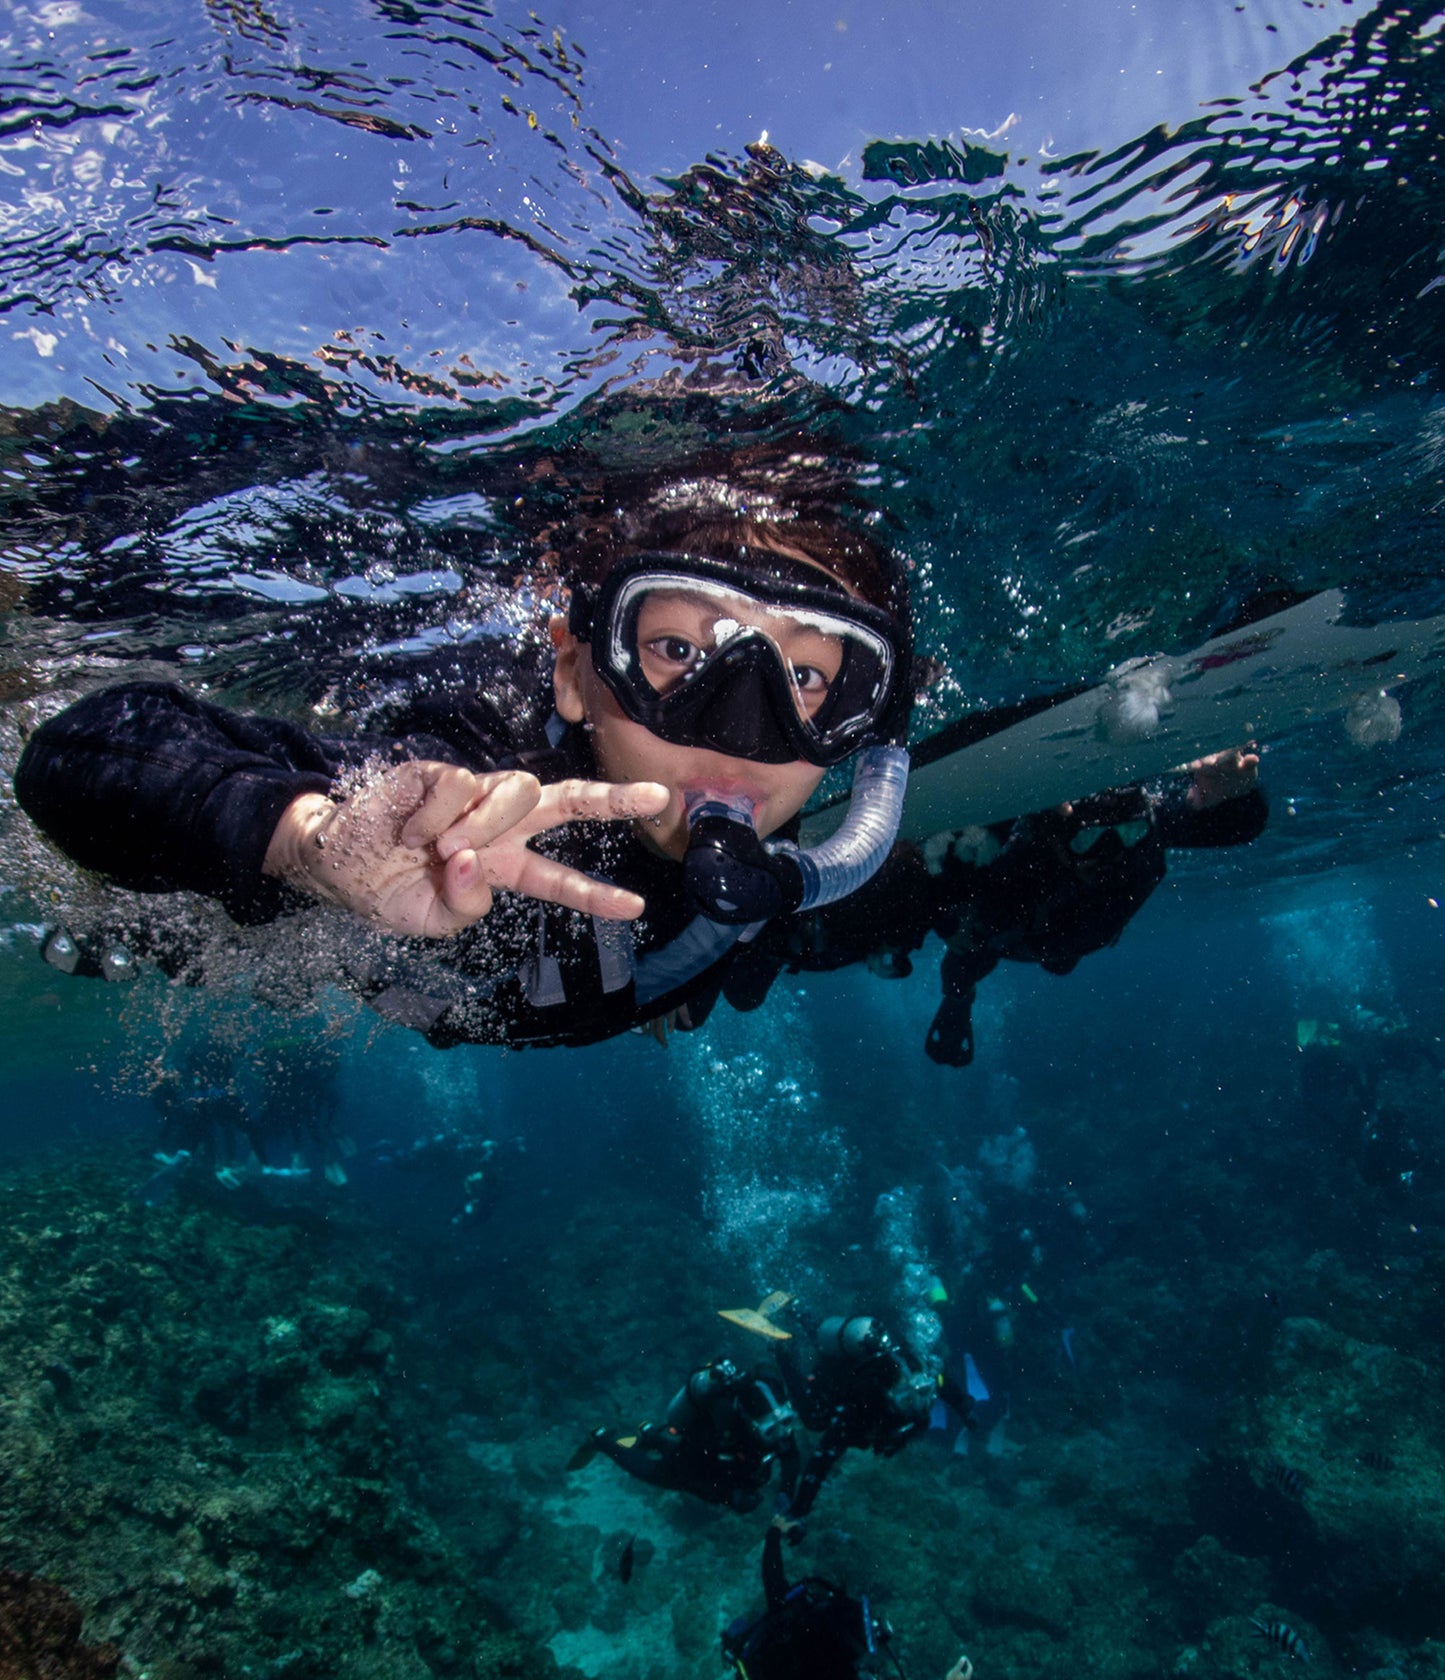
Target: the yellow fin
pixel 749 1318
pixel 774 1303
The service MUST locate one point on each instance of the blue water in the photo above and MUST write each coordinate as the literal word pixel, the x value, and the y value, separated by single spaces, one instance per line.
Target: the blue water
pixel 1138 311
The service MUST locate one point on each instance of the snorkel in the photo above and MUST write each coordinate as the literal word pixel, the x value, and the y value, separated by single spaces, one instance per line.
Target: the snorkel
pixel 732 876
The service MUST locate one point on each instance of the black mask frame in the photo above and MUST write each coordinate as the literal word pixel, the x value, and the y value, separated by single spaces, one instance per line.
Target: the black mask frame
pixel 740 701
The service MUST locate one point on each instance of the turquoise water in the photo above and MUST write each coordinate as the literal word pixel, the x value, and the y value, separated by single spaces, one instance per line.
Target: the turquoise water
pixel 1138 317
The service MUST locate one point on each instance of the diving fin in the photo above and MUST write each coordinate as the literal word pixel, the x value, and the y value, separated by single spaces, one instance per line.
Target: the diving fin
pixel 587 1451
pixel 759 1319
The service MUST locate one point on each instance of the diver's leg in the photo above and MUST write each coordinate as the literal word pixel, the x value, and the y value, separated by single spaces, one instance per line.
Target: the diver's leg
pixel 647 1464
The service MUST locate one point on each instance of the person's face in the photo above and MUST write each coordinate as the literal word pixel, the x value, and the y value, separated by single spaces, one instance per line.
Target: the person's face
pixel 675 629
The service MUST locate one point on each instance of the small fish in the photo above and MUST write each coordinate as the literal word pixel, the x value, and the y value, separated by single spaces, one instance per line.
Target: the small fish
pixel 1285 1479
pixel 1373 1459
pixel 629 1558
pixel 1283 1637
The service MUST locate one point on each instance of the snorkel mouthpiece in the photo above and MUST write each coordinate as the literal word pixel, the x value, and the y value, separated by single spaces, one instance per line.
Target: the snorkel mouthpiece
pixel 729 875
pixel 732 876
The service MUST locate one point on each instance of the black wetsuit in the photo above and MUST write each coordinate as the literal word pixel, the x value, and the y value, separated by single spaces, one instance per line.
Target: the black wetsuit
pixel 163 792
pixel 711 1450
pixel 877 1402
pixel 1047 888
pixel 811 1629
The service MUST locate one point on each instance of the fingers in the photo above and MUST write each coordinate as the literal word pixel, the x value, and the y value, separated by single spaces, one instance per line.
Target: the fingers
pixel 529 872
pixel 465 895
pixel 577 801
pixel 491 804
pixel 480 826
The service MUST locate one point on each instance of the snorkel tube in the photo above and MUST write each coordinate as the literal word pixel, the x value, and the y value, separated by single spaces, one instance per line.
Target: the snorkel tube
pixel 734 877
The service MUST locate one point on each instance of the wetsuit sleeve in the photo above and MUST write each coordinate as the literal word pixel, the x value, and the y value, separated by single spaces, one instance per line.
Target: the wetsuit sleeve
pixel 162 792
pixel 775 1579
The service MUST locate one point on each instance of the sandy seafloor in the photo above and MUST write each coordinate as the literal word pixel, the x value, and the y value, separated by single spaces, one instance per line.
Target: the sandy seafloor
pixel 326 1432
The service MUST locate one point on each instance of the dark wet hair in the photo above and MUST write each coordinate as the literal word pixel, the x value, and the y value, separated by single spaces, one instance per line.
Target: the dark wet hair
pixel 782 507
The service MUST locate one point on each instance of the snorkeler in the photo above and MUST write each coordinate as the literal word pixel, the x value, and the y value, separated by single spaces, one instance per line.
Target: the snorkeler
pixel 1066 882
pixel 733 632
pixel 865 1390
pixel 722 1433
pixel 731 636
pixel 812 1629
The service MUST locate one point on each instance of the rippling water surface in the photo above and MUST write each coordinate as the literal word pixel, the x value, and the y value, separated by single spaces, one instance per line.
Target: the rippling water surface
pixel 292 299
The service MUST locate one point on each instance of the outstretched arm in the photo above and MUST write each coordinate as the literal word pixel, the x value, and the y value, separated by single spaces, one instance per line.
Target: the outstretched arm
pixel 775 1577
pixel 162 792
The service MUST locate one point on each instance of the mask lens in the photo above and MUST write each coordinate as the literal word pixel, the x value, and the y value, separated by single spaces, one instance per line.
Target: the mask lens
pixel 676 631
pixel 672 635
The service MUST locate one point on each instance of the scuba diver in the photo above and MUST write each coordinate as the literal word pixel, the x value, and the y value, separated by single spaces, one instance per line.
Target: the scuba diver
pixel 865 1390
pixel 812 1629
pixel 272 1133
pixel 203 1115
pixel 719 1438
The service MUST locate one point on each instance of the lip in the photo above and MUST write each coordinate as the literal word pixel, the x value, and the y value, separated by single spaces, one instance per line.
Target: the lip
pixel 732 790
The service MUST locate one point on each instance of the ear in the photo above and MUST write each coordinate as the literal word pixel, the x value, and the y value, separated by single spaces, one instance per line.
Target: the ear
pixel 567 670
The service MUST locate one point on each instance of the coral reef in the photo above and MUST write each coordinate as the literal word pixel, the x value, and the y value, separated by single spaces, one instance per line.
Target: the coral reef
pixel 40 1634
pixel 289 1440
pixel 198 1441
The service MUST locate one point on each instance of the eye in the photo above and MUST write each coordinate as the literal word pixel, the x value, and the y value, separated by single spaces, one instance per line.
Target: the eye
pixel 810 681
pixel 675 650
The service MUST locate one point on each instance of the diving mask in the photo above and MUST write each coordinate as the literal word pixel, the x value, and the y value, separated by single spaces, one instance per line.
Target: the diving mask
pixel 706 653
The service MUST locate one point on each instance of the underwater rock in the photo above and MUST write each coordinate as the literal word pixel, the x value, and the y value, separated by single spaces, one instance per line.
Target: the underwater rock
pixel 222 1396
pixel 1215 1581
pixel 40 1627
pixel 1262 1643
pixel 1005 1589
pixel 1335 1470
